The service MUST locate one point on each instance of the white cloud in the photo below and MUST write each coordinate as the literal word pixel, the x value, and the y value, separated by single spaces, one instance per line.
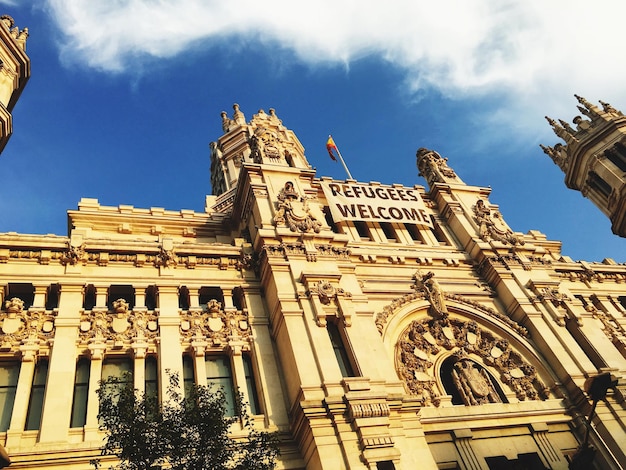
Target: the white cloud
pixel 533 51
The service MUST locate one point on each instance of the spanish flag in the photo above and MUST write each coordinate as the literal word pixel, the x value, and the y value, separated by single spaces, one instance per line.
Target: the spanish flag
pixel 330 146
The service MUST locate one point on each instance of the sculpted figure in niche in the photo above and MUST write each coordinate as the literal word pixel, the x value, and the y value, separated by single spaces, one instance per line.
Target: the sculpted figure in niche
pixel 473 383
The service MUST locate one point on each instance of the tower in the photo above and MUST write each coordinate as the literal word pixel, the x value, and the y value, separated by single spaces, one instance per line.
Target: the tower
pixel 594 158
pixel 14 72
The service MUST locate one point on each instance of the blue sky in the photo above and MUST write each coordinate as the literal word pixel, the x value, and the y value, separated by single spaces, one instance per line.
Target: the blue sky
pixel 126 95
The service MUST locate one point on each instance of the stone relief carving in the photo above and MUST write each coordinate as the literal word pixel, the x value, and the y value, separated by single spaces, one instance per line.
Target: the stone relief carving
pixel 215 325
pixel 120 325
pixel 165 258
pixel 293 210
pixel 23 326
pixel 265 144
pixel 473 383
pixel 492 226
pixel 428 285
pixel 424 340
pixel 73 255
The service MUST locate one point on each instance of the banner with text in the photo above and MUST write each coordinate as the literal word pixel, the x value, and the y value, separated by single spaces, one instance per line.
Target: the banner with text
pixel 373 203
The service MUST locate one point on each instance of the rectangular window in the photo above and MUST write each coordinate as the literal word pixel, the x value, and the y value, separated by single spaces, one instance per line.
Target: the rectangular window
pixel 414 233
pixel 219 376
pixel 81 393
pixel 255 409
pixel 152 378
pixel 390 233
pixel 362 230
pixel 189 377
pixel 341 353
pixel 9 373
pixel 119 367
pixel 37 391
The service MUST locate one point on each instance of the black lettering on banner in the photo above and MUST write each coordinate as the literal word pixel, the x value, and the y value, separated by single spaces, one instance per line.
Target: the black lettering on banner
pixel 346 210
pixel 381 193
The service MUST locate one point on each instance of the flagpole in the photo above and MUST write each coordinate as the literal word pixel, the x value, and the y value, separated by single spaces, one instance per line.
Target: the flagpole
pixel 342 161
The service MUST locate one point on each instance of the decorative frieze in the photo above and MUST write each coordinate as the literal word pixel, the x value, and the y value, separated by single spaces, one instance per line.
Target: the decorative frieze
pixel 120 325
pixel 18 326
pixel 215 325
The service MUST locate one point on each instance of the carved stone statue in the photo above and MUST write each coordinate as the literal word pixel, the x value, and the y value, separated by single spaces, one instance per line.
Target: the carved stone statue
pixel 433 292
pixel 492 226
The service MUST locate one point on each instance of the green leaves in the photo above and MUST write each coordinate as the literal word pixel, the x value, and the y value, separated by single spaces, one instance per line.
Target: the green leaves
pixel 188 432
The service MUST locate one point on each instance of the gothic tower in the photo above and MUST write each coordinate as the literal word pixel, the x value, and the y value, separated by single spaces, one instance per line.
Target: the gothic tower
pixel 594 158
pixel 14 72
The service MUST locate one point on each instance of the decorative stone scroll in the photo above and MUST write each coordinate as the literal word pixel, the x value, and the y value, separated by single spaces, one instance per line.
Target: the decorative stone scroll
pixel 330 300
pixel 215 325
pixel 121 325
pixel 18 326
pixel 492 226
pixel 424 341
pixel 293 211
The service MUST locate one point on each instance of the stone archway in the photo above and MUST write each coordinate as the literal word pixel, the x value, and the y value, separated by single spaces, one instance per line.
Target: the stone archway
pixel 426 341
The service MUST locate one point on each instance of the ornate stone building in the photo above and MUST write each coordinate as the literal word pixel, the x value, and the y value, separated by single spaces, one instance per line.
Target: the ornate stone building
pixel 374 326
pixel 14 72
pixel 594 158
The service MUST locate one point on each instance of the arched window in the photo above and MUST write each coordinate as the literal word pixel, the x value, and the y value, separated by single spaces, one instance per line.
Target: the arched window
pixel 469 383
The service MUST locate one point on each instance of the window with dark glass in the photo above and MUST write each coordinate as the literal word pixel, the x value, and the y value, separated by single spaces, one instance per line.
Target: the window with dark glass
pixel 341 352
pixel 81 393
pixel 438 232
pixel 9 373
pixel 37 391
pixel 386 465
pixel 89 300
pixel 151 378
pixel 52 297
pixel 239 300
pixel 329 219
pixel 121 368
pixel 183 298
pixel 388 230
pixel 253 397
pixel 219 376
pixel 189 377
pixel 151 297
pixel 362 230
pixel 617 156
pixel 414 232
pixel 597 183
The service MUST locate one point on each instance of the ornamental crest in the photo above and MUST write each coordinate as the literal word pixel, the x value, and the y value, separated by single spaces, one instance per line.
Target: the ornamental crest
pixel 293 211
pixel 19 326
pixel 265 144
pixel 215 325
pixel 119 326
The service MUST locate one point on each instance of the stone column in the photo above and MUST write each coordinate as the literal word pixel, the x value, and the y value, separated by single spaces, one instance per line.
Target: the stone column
pixel 170 355
pixel 22 395
pixel 57 406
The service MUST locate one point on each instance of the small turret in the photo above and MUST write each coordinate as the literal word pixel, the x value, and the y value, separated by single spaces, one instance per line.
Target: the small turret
pixel 263 140
pixel 594 158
